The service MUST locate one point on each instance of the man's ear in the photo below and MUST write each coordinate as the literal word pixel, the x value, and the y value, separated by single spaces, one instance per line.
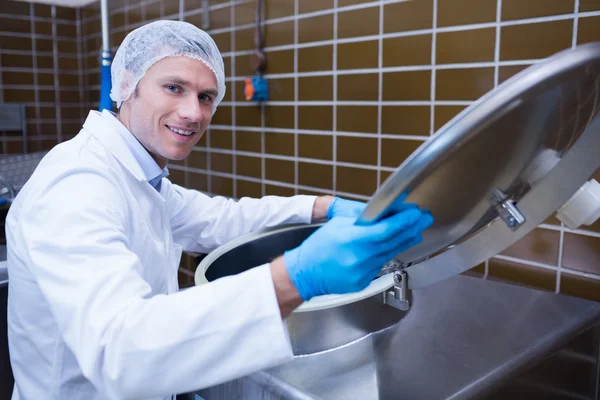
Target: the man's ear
pixel 126 87
pixel 127 84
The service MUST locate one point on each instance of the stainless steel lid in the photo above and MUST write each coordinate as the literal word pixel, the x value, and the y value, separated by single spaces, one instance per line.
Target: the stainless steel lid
pixel 503 165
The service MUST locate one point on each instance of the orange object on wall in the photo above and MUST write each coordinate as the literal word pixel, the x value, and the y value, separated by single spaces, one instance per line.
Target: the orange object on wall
pixel 249 89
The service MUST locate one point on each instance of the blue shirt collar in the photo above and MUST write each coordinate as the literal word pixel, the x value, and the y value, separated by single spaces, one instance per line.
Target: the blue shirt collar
pixel 150 167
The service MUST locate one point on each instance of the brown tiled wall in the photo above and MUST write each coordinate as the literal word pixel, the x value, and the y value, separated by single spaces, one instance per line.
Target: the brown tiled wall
pixel 40 67
pixel 355 87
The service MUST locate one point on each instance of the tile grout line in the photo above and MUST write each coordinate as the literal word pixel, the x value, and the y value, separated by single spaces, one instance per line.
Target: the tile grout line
pixel 208 141
pixel 208 165
pixel 1 81
pixel 575 23
pixel 433 68
pixel 296 119
pixel 316 161
pixel 354 103
pixel 562 227
pixel 56 77
pixel 143 12
pixel 125 15
pixel 546 266
pixel 263 164
pixel 269 182
pixel 34 36
pixel 51 120
pixel 497 43
pixel 36 93
pixel 85 76
pixel 379 94
pixel 526 262
pixel 562 231
pixel 80 64
pixel 496 80
pixel 561 242
pixel 208 134
pixel 2 100
pixel 580 273
pixel 233 108
pixel 324 133
pixel 487 64
pixel 335 83
pixel 7 139
pixel 41 53
pixel 411 68
pixel 42 70
pixel 32 16
pixel 186 176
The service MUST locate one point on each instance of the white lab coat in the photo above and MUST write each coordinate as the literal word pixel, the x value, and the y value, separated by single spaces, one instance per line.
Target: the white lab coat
pixel 94 310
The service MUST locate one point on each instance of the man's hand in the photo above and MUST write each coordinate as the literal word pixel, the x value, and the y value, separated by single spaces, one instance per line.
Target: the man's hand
pixel 341 257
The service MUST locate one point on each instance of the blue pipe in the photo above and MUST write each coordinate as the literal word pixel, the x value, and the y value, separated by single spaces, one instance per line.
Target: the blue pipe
pixel 105 82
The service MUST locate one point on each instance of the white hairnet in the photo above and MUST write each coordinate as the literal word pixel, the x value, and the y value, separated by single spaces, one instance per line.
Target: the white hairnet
pixel 152 42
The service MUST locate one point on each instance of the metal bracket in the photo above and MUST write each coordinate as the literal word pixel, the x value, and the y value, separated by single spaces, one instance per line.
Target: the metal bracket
pixel 507 210
pixel 398 296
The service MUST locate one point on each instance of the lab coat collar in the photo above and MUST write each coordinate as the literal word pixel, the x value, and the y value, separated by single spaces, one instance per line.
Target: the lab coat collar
pixel 151 169
pixel 124 146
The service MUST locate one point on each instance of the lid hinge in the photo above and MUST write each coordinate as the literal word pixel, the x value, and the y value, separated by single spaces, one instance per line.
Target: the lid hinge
pixel 507 210
pixel 398 295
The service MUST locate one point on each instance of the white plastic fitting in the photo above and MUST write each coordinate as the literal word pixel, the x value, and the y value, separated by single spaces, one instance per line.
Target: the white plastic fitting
pixel 583 208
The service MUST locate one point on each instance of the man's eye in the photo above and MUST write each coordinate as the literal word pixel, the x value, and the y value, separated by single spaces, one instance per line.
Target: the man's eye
pixel 173 88
pixel 204 97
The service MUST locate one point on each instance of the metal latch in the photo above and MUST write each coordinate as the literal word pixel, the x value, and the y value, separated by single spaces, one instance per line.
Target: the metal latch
pixel 507 210
pixel 398 295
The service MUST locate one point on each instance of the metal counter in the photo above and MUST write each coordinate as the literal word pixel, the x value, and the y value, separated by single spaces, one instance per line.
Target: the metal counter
pixel 463 338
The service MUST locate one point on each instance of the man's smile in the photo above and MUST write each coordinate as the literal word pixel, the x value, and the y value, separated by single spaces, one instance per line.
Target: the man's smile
pixel 185 132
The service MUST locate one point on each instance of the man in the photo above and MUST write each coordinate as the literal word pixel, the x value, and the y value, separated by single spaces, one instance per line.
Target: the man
pixel 96 235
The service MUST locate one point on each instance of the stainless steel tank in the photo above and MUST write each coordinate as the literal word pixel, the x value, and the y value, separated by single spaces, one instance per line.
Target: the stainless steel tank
pixel 490 176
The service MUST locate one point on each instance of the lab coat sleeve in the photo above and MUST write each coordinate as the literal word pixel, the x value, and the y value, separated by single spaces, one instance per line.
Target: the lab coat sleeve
pixel 128 343
pixel 201 223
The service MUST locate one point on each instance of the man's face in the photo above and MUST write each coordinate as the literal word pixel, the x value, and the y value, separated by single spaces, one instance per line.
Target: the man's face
pixel 171 107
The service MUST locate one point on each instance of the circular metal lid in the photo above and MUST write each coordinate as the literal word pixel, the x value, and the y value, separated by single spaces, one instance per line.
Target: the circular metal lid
pixel 534 138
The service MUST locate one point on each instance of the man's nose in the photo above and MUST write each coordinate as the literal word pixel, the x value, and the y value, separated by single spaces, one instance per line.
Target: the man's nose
pixel 190 110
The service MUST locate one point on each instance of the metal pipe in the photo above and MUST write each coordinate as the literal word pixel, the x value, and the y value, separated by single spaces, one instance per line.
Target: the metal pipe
pixel 105 27
pixel 106 84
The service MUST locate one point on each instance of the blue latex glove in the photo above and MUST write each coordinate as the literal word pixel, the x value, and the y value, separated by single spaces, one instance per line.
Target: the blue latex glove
pixel 341 257
pixel 345 208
